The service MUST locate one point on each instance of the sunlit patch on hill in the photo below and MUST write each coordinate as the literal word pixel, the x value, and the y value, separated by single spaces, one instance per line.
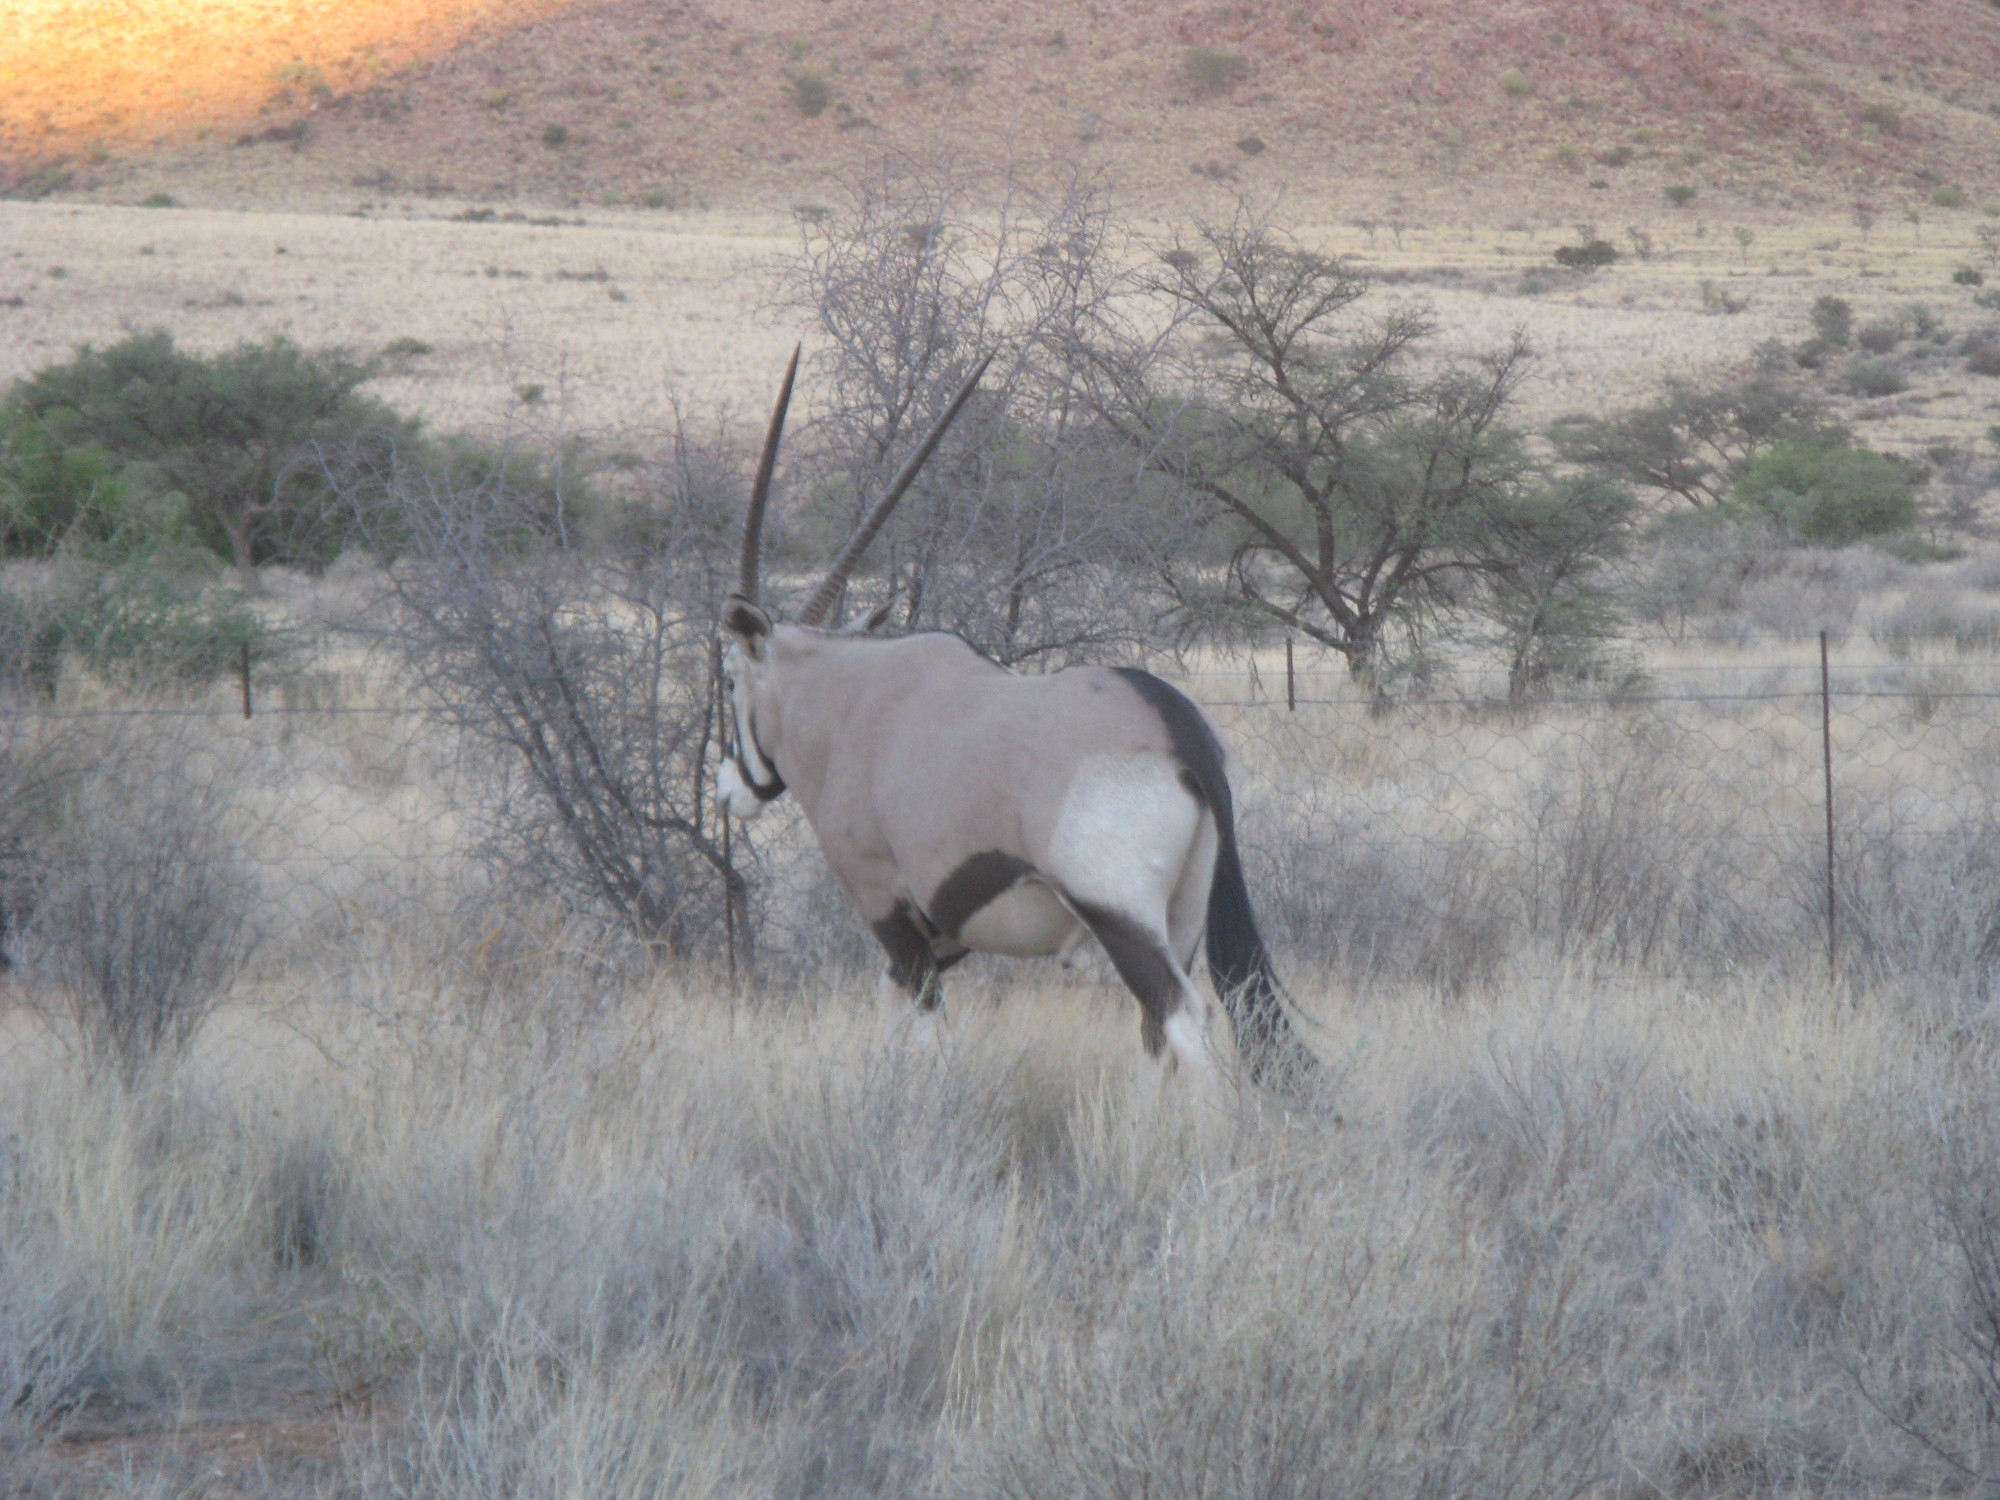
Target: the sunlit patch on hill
pixel 78 74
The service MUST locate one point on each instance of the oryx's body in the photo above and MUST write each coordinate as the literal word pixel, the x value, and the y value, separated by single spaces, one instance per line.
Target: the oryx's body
pixel 965 808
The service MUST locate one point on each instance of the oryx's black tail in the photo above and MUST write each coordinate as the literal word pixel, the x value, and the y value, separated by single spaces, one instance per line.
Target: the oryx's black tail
pixel 1240 965
pixel 1238 961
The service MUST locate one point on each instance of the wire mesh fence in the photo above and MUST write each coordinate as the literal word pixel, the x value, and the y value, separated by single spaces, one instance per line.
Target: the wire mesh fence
pixel 1441 839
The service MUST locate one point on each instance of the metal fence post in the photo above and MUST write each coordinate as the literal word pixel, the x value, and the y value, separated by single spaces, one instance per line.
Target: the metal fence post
pixel 1291 684
pixel 1826 768
pixel 243 668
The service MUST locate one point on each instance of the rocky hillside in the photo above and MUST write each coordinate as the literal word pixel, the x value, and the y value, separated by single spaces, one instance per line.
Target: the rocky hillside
pixel 1566 107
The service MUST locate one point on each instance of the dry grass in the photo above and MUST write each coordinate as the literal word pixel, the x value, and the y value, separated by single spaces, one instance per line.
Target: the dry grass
pixel 1585 1236
pixel 613 313
pixel 444 1203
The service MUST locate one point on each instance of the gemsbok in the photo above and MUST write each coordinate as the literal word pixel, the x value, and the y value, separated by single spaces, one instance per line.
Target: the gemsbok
pixel 967 809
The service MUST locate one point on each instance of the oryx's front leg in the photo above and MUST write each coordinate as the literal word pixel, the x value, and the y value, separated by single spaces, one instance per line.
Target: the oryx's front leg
pixel 910 993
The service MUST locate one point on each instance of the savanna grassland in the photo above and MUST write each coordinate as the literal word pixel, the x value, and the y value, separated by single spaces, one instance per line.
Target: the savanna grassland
pixel 428 1178
pixel 622 311
pixel 1605 1188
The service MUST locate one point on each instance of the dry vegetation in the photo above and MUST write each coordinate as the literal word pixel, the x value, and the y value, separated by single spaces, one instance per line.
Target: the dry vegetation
pixel 611 314
pixel 1607 1190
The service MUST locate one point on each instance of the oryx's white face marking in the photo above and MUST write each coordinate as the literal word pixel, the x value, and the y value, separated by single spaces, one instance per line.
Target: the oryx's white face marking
pixel 747 781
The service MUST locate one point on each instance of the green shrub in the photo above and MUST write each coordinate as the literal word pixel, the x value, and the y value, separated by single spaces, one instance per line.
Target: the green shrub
pixel 1947 196
pixel 810 93
pixel 1829 495
pixel 242 447
pixel 1883 117
pixel 1968 276
pixel 1210 70
pixel 555 136
pixel 51 489
pixel 158 200
pixel 1515 84
pixel 1833 320
pixel 1873 378
pixel 1880 335
pixel 1680 194
pixel 161 614
pixel 1591 255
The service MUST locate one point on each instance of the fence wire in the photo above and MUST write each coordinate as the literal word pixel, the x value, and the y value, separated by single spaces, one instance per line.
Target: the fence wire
pixel 1439 839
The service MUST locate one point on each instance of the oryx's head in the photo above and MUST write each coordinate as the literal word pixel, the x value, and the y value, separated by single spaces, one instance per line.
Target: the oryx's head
pixel 749 779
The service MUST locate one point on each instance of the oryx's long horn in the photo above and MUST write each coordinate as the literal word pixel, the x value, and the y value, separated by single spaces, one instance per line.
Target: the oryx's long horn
pixel 760 488
pixel 836 578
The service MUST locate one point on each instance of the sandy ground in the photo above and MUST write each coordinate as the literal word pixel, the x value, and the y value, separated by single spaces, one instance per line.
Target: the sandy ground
pixel 618 311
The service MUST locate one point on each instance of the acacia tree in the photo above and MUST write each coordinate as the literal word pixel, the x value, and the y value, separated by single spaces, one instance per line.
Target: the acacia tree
pixel 1346 484
pixel 1019 534
pixel 1692 444
pixel 244 438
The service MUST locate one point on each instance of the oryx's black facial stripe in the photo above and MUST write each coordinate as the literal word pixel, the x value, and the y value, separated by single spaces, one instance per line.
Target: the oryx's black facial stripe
pixel 1145 966
pixel 968 889
pixel 911 963
pixel 764 789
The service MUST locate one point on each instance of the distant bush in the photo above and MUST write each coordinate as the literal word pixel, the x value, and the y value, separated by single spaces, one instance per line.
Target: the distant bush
pixel 1591 255
pixel 1874 378
pixel 1968 276
pixel 809 92
pixel 555 136
pixel 1880 335
pixel 1947 196
pixel 1515 84
pixel 1883 117
pixel 1210 70
pixel 158 615
pixel 1833 320
pixel 236 447
pixel 1829 495
pixel 1680 194
pixel 158 200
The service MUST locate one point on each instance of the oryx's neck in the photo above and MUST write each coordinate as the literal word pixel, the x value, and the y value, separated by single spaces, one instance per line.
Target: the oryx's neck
pixel 836 696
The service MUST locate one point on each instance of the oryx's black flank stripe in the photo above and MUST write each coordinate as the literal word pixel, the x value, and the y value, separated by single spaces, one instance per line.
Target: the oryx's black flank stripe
pixel 1238 961
pixel 972 886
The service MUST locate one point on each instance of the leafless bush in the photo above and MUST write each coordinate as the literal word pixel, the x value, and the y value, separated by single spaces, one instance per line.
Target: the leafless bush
pixel 1023 530
pixel 1629 856
pixel 1920 908
pixel 144 911
pixel 581 674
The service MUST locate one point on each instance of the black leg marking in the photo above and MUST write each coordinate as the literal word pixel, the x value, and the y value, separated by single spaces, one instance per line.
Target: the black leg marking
pixel 911 963
pixel 1143 962
pixel 972 886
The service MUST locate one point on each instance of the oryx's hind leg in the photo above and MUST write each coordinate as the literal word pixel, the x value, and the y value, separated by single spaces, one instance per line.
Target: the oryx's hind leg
pixel 910 993
pixel 1173 1014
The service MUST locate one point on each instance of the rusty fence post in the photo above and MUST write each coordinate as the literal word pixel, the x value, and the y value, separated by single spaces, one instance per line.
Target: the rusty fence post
pixel 1826 771
pixel 243 670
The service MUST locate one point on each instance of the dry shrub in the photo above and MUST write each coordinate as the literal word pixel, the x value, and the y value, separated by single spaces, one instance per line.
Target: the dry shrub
pixel 143 911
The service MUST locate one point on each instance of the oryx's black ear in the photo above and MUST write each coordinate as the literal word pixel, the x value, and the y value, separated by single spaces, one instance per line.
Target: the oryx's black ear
pixel 747 622
pixel 873 621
